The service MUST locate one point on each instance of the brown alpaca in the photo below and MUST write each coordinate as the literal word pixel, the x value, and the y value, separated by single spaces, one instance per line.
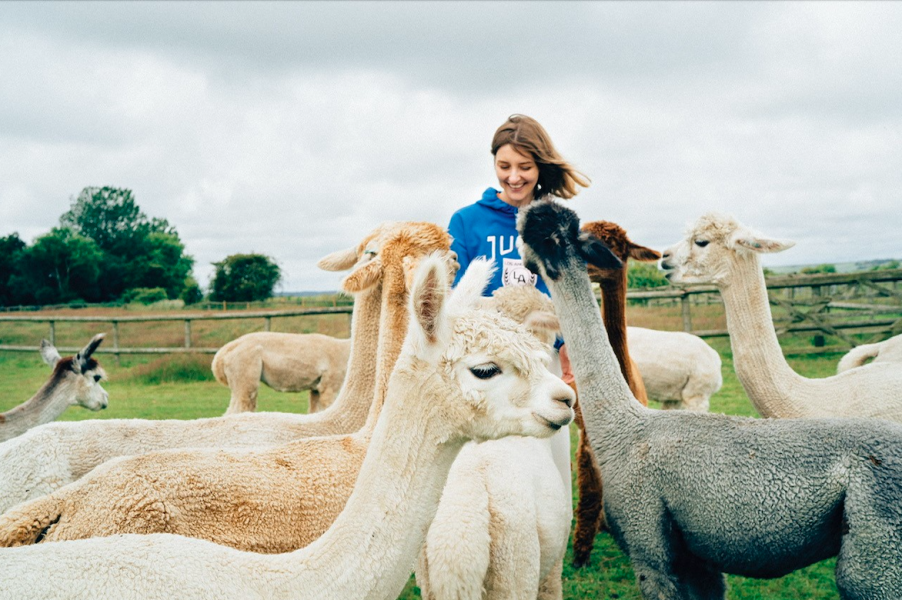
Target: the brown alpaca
pixel 589 514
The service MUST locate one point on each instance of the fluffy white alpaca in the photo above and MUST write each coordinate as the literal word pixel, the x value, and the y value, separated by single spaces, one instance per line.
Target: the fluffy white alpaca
pixel 503 523
pixel 679 369
pixel 886 351
pixel 75 381
pixel 463 374
pixel 53 455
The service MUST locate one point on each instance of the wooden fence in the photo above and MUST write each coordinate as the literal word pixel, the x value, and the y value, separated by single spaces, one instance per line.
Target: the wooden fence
pixel 831 304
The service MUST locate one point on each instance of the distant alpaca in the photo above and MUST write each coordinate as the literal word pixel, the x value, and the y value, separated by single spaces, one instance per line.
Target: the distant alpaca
pixel 690 496
pixel 719 250
pixel 886 351
pixel 75 380
pixel 293 490
pixel 612 282
pixel 463 374
pixel 286 362
pixel 52 455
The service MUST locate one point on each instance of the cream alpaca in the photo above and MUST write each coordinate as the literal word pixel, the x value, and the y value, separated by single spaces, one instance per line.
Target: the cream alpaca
pixel 294 491
pixel 50 456
pixel 449 385
pixel 75 380
pixel 719 250
pixel 886 351
pixel 286 362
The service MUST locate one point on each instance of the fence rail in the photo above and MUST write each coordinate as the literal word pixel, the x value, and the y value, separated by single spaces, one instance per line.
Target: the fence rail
pixel 830 295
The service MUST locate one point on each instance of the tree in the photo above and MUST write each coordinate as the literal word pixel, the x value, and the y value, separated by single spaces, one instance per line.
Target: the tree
pixel 644 275
pixel 60 266
pixel 244 278
pixel 11 248
pixel 825 268
pixel 162 263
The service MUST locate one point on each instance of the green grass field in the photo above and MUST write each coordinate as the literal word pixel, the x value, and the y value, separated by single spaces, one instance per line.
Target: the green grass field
pixel 182 387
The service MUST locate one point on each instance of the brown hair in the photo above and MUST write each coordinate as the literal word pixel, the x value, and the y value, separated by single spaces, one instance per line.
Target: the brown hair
pixel 556 175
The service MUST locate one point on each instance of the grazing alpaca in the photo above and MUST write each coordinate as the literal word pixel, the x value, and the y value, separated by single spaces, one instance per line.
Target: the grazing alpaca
pixel 720 250
pixel 613 284
pixel 286 362
pixel 690 496
pixel 48 457
pixel 75 380
pixel 294 490
pixel 502 526
pixel 463 374
pixel 679 369
pixel 886 351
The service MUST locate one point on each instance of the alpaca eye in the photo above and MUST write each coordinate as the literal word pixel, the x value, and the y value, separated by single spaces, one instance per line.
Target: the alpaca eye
pixel 701 243
pixel 97 378
pixel 486 371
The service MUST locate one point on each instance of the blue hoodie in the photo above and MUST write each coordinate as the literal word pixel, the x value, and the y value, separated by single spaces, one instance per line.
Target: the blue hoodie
pixel 488 229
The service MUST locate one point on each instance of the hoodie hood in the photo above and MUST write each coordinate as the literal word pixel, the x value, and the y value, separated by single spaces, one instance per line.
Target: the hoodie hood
pixel 491 200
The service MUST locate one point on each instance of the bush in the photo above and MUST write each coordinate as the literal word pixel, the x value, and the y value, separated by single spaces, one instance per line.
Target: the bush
pixel 644 275
pixel 192 293
pixel 174 368
pixel 144 295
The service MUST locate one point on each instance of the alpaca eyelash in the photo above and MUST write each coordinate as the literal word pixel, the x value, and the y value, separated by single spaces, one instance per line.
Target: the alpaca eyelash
pixel 485 371
pixel 701 243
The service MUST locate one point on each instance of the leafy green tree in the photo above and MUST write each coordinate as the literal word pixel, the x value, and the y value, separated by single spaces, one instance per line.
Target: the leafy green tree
pixel 11 248
pixel 192 294
pixel 244 277
pixel 161 263
pixel 893 264
pixel 644 275
pixel 60 266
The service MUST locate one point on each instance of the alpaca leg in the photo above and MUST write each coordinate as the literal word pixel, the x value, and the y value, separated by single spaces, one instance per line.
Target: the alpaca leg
pixel 869 563
pixel 696 403
pixel 243 372
pixel 551 588
pixel 588 508
pixel 314 404
pixel 702 583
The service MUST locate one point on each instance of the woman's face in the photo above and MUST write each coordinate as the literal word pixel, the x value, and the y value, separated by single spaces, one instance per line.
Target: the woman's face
pixel 517 173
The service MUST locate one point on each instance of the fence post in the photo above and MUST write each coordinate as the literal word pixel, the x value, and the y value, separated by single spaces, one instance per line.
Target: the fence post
pixel 116 342
pixel 187 333
pixel 268 326
pixel 687 315
pixel 52 333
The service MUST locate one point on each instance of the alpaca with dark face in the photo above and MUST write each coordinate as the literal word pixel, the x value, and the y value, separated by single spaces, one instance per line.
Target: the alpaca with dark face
pixel 691 496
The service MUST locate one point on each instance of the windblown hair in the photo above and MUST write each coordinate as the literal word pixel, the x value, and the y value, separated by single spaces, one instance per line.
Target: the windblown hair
pixel 556 176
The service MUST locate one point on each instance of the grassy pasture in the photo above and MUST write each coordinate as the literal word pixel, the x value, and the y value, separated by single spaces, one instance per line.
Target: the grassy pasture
pixel 183 387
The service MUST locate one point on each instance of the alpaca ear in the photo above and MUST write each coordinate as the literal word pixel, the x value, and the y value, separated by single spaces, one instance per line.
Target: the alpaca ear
pixel 468 292
pixel 595 252
pixel 643 254
pixel 341 260
pixel 427 301
pixel 81 359
pixel 754 241
pixel 363 277
pixel 542 320
pixel 49 353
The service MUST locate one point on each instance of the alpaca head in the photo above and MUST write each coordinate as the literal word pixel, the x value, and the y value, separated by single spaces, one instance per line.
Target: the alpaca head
pixel 489 372
pixel 81 372
pixel 614 237
pixel 527 305
pixel 711 248
pixel 551 238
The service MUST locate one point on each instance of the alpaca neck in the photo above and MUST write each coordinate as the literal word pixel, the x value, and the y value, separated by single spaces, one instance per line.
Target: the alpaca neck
pixel 353 402
pixel 45 406
pixel 607 403
pixel 371 548
pixel 392 331
pixel 758 360
pixel 613 298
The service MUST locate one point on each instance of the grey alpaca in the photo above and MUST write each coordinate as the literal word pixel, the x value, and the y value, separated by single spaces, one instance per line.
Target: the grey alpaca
pixel 692 496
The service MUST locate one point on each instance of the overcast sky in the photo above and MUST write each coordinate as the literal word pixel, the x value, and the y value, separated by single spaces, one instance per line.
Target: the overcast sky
pixel 292 129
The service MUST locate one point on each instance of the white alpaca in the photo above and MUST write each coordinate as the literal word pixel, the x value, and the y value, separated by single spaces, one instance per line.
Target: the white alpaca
pixel 286 362
pixel 74 381
pixel 53 455
pixel 720 250
pixel 463 374
pixel 679 369
pixel 503 523
pixel 886 351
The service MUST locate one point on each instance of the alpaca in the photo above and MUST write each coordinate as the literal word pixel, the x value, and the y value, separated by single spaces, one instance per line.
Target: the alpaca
pixel 680 370
pixel 286 362
pixel 612 282
pixel 502 525
pixel 690 496
pixel 50 456
pixel 75 380
pixel 886 351
pixel 719 250
pixel 463 374
pixel 211 493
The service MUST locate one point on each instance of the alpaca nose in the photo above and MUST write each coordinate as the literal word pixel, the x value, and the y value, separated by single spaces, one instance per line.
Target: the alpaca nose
pixel 566 398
